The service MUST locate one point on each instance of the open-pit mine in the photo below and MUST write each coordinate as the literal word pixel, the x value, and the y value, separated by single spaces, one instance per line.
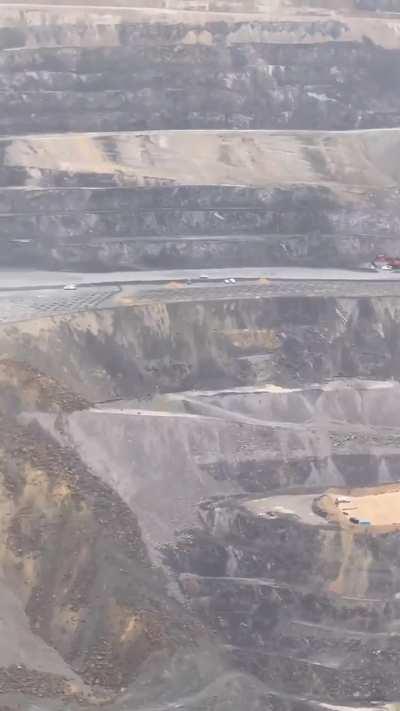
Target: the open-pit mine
pixel 199 364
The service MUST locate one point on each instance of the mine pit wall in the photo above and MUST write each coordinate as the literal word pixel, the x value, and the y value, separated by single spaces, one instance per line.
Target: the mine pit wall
pixel 59 501
pixel 88 70
pixel 104 228
pixel 136 351
pixel 136 454
pixel 94 73
pixel 133 351
pixel 316 572
pixel 325 558
pixel 326 597
pixel 292 602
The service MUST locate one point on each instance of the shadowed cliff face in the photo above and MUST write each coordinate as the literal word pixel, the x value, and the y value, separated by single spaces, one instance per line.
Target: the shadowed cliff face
pixel 136 351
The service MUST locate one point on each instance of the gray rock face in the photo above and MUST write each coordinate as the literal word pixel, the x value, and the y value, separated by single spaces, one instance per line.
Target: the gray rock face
pixel 202 226
pixel 183 345
pixel 112 206
pixel 155 80
pixel 105 228
pixel 214 67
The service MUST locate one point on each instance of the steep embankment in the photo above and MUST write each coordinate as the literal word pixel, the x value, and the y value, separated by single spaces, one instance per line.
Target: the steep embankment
pixel 135 200
pixel 296 606
pixel 171 200
pixel 133 351
pixel 82 606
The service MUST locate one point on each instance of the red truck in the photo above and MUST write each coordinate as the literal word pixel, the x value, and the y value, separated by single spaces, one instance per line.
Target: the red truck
pixel 382 261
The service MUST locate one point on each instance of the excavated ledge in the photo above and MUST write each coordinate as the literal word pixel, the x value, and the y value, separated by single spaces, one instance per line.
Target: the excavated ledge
pixel 164 200
pixel 137 350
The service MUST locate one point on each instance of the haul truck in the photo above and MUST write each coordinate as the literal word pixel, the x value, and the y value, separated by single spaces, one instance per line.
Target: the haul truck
pixel 382 261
